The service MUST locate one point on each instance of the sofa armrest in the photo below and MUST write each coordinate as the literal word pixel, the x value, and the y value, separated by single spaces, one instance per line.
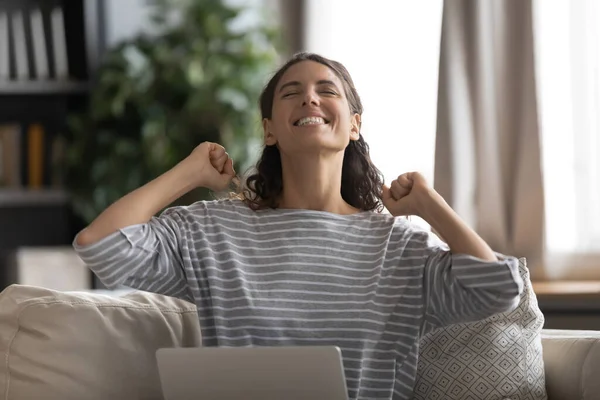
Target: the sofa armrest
pixel 572 364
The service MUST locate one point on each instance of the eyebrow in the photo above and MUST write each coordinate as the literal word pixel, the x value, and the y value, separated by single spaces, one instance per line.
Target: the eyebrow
pixel 296 83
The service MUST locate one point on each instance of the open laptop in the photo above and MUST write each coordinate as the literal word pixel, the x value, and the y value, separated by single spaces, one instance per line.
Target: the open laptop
pixel 266 373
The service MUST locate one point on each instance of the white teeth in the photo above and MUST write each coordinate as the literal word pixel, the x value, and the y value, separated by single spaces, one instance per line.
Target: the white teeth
pixel 310 121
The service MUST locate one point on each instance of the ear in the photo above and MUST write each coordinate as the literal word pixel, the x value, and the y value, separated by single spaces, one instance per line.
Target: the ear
pixel 355 127
pixel 268 135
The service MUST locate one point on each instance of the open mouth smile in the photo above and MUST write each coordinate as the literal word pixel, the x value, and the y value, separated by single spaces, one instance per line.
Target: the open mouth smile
pixel 311 121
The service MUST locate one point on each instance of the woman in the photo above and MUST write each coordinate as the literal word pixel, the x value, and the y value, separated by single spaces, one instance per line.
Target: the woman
pixel 303 256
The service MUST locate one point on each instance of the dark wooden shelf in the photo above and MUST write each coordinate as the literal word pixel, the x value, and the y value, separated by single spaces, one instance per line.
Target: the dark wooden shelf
pixel 569 304
pixel 32 198
pixel 567 288
pixel 42 87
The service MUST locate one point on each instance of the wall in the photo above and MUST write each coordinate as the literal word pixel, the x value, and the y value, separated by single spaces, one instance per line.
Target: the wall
pixel 125 18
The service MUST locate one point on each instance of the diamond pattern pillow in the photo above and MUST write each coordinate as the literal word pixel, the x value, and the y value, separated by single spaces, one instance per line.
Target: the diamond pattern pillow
pixel 496 358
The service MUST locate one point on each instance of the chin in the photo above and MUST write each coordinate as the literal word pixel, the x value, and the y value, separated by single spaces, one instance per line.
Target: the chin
pixel 317 146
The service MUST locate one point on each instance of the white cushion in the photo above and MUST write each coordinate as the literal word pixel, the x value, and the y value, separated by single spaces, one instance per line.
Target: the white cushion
pixel 76 345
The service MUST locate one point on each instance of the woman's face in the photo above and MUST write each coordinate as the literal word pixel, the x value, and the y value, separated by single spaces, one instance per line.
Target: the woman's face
pixel 310 112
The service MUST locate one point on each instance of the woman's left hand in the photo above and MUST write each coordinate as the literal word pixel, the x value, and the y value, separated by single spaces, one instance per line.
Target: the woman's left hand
pixel 407 195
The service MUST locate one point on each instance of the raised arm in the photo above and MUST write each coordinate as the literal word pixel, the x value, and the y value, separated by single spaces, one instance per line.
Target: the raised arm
pixel 410 194
pixel 464 280
pixel 128 245
pixel 207 166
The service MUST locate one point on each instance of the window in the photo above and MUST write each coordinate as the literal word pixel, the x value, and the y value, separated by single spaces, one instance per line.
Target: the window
pixel 567 41
pixel 391 49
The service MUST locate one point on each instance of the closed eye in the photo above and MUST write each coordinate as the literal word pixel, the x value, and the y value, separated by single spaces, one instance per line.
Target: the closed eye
pixel 289 94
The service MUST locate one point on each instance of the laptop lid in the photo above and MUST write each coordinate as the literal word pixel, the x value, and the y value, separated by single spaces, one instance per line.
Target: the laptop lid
pixel 266 373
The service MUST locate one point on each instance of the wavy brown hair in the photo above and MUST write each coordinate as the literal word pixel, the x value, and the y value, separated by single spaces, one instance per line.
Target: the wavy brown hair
pixel 361 180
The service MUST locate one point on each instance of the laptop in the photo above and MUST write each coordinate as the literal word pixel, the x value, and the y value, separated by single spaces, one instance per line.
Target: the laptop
pixel 266 373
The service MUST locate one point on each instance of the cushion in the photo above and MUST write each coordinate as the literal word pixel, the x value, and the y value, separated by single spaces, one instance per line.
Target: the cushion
pixel 496 358
pixel 76 345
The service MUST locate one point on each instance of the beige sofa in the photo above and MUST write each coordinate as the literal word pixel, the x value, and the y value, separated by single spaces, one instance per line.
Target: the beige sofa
pixel 77 345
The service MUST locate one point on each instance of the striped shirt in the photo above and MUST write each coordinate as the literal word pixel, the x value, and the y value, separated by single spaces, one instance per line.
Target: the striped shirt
pixel 368 283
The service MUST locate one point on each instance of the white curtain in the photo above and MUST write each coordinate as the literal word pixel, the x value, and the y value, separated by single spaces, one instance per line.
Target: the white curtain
pixel 568 66
pixel 488 164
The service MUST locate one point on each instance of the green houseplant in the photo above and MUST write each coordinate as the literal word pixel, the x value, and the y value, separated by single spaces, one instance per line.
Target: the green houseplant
pixel 196 78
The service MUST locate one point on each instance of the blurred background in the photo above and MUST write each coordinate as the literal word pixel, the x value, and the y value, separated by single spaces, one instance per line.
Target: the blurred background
pixel 496 102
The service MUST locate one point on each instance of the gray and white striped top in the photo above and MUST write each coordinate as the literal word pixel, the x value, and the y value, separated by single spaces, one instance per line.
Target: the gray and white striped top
pixel 368 283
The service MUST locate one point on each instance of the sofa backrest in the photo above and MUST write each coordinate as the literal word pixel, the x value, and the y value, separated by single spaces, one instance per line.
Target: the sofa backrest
pixel 572 363
pixel 78 345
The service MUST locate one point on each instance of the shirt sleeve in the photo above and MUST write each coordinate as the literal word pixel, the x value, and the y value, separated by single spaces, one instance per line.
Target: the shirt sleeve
pixel 144 256
pixel 462 288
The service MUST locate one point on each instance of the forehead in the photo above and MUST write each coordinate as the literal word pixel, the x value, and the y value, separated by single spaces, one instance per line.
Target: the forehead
pixel 307 72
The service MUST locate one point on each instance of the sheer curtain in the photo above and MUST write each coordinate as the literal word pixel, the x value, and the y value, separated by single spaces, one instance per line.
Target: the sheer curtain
pixel 391 49
pixel 568 61
pixel 488 161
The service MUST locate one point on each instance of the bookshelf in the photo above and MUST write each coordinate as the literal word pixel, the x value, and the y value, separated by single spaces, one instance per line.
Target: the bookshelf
pixel 49 52
pixel 32 198
pixel 40 88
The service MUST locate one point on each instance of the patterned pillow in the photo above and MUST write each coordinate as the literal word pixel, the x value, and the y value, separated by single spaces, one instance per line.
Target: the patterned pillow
pixel 496 358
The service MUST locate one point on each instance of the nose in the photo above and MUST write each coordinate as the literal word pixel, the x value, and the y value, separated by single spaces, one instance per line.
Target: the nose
pixel 310 97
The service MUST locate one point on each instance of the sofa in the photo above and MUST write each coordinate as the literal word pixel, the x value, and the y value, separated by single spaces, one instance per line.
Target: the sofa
pixel 89 345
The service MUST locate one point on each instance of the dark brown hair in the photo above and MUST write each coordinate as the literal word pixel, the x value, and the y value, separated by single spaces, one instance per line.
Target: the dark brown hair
pixel 361 180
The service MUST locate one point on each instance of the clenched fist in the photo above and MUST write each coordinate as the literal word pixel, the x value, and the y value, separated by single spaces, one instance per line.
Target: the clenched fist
pixel 409 194
pixel 209 166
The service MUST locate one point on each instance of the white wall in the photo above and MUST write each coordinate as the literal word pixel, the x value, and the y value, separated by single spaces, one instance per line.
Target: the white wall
pixel 125 18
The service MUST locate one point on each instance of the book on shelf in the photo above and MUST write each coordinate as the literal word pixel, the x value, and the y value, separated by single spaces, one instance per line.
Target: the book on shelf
pixel 59 43
pixel 30 156
pixel 39 44
pixel 33 43
pixel 4 47
pixel 35 156
pixel 19 45
pixel 10 164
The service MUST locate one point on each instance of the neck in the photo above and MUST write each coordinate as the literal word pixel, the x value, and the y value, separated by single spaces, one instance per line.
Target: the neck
pixel 314 183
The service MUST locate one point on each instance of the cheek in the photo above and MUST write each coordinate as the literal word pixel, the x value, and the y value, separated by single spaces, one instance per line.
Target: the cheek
pixel 342 109
pixel 344 116
pixel 280 114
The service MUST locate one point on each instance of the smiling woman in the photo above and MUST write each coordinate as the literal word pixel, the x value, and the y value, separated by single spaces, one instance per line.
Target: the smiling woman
pixel 312 118
pixel 306 258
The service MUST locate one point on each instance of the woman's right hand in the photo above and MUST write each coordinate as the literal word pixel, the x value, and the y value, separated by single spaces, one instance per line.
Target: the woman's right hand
pixel 209 166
